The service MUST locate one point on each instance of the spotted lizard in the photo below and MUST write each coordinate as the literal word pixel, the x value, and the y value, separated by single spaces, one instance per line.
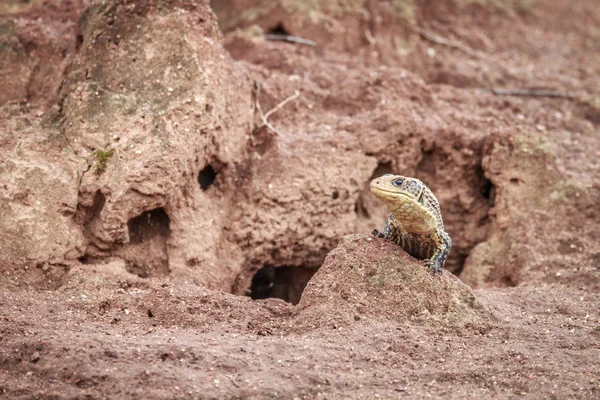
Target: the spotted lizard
pixel 415 222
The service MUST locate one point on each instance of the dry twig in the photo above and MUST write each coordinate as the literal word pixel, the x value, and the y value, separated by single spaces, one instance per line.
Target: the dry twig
pixel 264 117
pixel 435 38
pixel 290 39
pixel 234 380
pixel 530 93
pixel 260 111
pixel 283 103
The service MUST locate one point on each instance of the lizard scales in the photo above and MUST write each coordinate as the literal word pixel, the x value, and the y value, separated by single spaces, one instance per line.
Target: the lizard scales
pixel 415 222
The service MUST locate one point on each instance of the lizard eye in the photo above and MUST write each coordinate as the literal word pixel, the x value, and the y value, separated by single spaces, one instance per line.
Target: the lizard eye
pixel 397 182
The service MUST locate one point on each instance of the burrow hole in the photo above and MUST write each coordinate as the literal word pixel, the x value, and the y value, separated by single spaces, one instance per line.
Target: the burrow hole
pixel 279 30
pixel 488 191
pixel 507 281
pixel 148 225
pixel 282 282
pixel 146 253
pixel 486 187
pixel 207 177
pixel 78 42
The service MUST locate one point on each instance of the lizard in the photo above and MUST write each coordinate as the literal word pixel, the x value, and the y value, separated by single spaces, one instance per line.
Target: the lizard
pixel 415 222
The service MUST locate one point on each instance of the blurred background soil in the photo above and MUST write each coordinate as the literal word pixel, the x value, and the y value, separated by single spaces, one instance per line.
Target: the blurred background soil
pixel 185 213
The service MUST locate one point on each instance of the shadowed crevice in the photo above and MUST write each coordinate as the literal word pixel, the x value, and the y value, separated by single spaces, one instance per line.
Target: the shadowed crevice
pixel 284 282
pixel 207 177
pixel 146 253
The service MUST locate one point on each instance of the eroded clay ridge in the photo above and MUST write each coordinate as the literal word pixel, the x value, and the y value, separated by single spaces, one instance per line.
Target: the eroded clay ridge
pixel 152 144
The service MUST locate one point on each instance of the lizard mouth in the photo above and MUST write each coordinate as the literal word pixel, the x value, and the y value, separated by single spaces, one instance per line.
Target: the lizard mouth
pixel 376 189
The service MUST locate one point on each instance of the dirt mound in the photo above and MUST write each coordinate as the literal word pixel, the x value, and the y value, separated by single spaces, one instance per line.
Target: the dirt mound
pixel 365 277
pixel 149 120
pixel 527 242
pixel 138 134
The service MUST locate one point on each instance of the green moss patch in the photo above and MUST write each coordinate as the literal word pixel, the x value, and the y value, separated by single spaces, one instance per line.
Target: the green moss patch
pixel 102 157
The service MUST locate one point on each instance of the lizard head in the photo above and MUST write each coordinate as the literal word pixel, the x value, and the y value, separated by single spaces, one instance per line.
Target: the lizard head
pixel 412 204
pixel 395 189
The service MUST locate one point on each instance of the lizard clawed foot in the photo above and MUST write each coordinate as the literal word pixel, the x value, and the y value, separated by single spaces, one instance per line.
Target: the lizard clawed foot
pixel 378 234
pixel 434 266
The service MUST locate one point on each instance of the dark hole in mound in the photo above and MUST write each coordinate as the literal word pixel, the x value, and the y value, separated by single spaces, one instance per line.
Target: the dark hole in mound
pixel 486 187
pixel 427 164
pixel 78 42
pixel 489 192
pixel 278 29
pixel 360 209
pixel 148 225
pixel 207 177
pixel 507 281
pixel 284 282
pixel 460 257
pixel 146 253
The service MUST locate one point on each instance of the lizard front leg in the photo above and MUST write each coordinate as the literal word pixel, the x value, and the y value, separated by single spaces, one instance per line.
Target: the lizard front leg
pixel 437 261
pixel 387 230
